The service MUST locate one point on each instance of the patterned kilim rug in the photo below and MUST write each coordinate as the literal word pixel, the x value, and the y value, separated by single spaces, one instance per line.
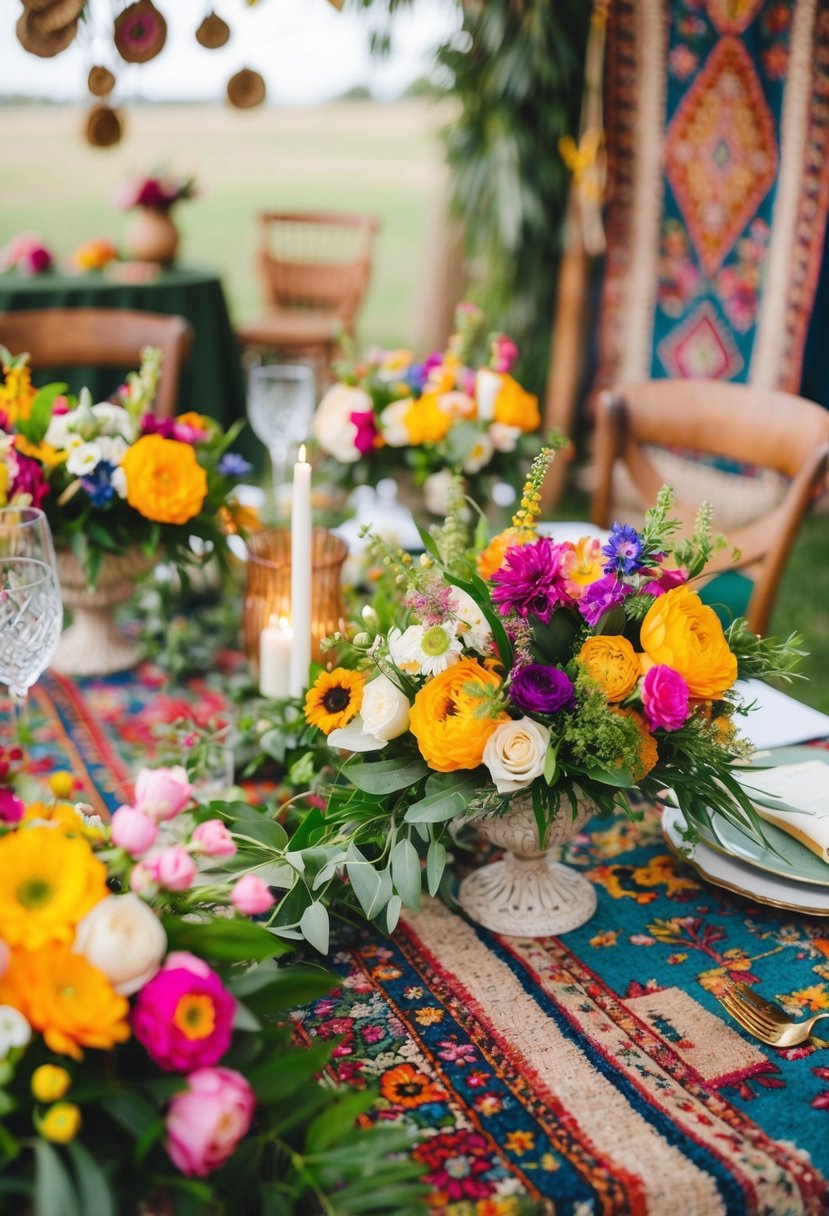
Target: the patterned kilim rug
pixel 717 127
pixel 595 1073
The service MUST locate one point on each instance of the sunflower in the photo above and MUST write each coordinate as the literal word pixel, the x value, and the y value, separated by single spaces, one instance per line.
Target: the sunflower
pixel 334 699
pixel 48 882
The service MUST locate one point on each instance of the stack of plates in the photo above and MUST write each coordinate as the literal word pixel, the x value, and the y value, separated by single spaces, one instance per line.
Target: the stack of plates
pixel 786 875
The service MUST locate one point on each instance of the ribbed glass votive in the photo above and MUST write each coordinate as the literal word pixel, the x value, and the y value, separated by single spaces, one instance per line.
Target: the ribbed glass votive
pixel 268 590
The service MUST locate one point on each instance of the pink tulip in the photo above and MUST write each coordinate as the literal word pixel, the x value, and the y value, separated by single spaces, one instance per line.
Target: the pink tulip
pixel 133 831
pixel 176 868
pixel 207 1121
pixel 213 839
pixel 251 896
pixel 162 793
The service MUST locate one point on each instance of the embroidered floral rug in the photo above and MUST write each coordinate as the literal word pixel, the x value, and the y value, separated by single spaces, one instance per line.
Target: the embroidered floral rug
pixel 595 1073
pixel 717 128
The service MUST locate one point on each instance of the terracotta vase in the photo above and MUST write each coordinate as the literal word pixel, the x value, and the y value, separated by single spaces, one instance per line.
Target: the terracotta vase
pixel 152 236
pixel 93 645
pixel 529 893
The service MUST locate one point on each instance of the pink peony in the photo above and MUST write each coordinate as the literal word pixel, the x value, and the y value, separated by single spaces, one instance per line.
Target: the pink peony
pixel 213 839
pixel 162 793
pixel 144 877
pixel 175 868
pixel 251 896
pixel 184 1015
pixel 12 808
pixel 665 698
pixel 133 831
pixel 207 1121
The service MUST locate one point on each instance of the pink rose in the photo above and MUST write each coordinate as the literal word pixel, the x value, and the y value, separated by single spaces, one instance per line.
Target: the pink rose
pixel 175 868
pixel 12 808
pixel 213 839
pixel 664 580
pixel 251 896
pixel 144 877
pixel 207 1121
pixel 184 1015
pixel 133 831
pixel 162 793
pixel 665 698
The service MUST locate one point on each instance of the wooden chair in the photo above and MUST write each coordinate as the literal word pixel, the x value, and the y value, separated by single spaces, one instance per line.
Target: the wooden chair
pixel 770 430
pixel 101 337
pixel 315 268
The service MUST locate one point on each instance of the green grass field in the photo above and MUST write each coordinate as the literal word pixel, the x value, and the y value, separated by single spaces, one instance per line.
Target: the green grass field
pixel 382 159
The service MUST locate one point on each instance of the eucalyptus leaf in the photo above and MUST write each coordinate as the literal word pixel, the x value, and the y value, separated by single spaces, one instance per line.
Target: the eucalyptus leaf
pixel 393 910
pixel 314 926
pixel 405 872
pixel 54 1192
pixel 385 776
pixel 435 865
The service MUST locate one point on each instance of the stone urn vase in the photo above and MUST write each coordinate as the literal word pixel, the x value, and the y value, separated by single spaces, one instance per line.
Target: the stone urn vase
pixel 93 645
pixel 152 236
pixel 529 893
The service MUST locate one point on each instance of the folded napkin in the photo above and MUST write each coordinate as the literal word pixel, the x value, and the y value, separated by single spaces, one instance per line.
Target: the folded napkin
pixel 795 798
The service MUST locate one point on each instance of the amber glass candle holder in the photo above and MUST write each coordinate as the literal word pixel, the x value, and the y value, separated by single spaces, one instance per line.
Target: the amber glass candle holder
pixel 268 590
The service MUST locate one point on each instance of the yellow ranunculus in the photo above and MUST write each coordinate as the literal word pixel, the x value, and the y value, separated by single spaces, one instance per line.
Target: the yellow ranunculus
pixel 449 718
pixel 48 882
pixel 61 1123
pixel 50 1083
pixel 610 660
pixel 165 482
pixel 514 406
pixel 682 632
pixel 425 421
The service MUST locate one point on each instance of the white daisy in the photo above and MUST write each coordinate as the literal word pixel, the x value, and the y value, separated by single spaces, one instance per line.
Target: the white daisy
pixel 428 650
pixel 472 625
pixel 83 459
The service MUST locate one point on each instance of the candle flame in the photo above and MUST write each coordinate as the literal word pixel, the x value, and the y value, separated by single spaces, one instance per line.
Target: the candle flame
pixel 284 624
pixel 302 454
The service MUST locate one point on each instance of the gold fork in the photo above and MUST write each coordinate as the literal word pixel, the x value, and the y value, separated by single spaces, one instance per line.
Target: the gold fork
pixel 766 1020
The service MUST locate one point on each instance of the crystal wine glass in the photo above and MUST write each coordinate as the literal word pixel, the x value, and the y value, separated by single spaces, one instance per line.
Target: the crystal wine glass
pixel 25 532
pixel 31 619
pixel 280 408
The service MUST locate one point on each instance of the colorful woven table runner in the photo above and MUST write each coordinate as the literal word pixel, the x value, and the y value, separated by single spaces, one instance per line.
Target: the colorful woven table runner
pixel 717 129
pixel 596 1073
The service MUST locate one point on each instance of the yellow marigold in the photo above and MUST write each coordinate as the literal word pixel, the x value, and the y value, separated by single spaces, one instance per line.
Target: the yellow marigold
pixel 449 718
pixel 682 632
pixel 648 750
pixel 61 1123
pixel 610 660
pixel 48 882
pixel 425 421
pixel 69 1001
pixel 492 557
pixel 514 406
pixel 165 482
pixel 334 699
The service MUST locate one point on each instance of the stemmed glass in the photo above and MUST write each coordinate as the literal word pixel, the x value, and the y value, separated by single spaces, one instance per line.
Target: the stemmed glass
pixel 280 408
pixel 25 532
pixel 31 619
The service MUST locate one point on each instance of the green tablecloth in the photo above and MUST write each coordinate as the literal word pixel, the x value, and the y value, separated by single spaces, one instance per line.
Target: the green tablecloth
pixel 211 380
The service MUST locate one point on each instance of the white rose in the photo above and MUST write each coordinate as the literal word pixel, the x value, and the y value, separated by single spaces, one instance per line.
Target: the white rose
pixel 504 438
pixel 385 709
pixel 122 937
pixel 15 1031
pixel 480 455
pixel 436 491
pixel 83 459
pixel 332 426
pixel 487 388
pixel 392 423
pixel 515 754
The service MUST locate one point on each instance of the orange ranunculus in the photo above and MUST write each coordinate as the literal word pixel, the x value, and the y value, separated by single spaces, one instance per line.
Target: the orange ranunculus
pixel 648 749
pixel 611 661
pixel 425 421
pixel 514 406
pixel 492 557
pixel 165 482
pixel 48 882
pixel 449 717
pixel 197 421
pixel 69 1001
pixel 682 632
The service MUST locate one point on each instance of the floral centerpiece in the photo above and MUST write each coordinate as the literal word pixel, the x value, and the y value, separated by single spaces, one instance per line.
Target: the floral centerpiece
pixel 152 236
pixel 26 254
pixel 159 192
pixel 529 685
pixel 460 409
pixel 143 1066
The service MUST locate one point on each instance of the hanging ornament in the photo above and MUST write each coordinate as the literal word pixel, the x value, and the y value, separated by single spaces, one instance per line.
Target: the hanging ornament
pixel 47 27
pixel 140 32
pixel 246 89
pixel 103 126
pixel 100 81
pixel 213 32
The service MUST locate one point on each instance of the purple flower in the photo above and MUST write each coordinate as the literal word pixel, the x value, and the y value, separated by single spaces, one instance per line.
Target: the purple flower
pixel 623 550
pixel 234 465
pixel 665 698
pixel 601 596
pixel 415 377
pixel 366 428
pixel 98 484
pixel 537 689
pixel 529 581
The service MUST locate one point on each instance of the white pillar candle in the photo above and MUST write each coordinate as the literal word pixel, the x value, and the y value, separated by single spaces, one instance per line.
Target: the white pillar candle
pixel 275 647
pixel 301 559
pixel 487 387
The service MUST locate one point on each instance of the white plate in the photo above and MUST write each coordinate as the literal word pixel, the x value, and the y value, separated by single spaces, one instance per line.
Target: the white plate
pixel 733 875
